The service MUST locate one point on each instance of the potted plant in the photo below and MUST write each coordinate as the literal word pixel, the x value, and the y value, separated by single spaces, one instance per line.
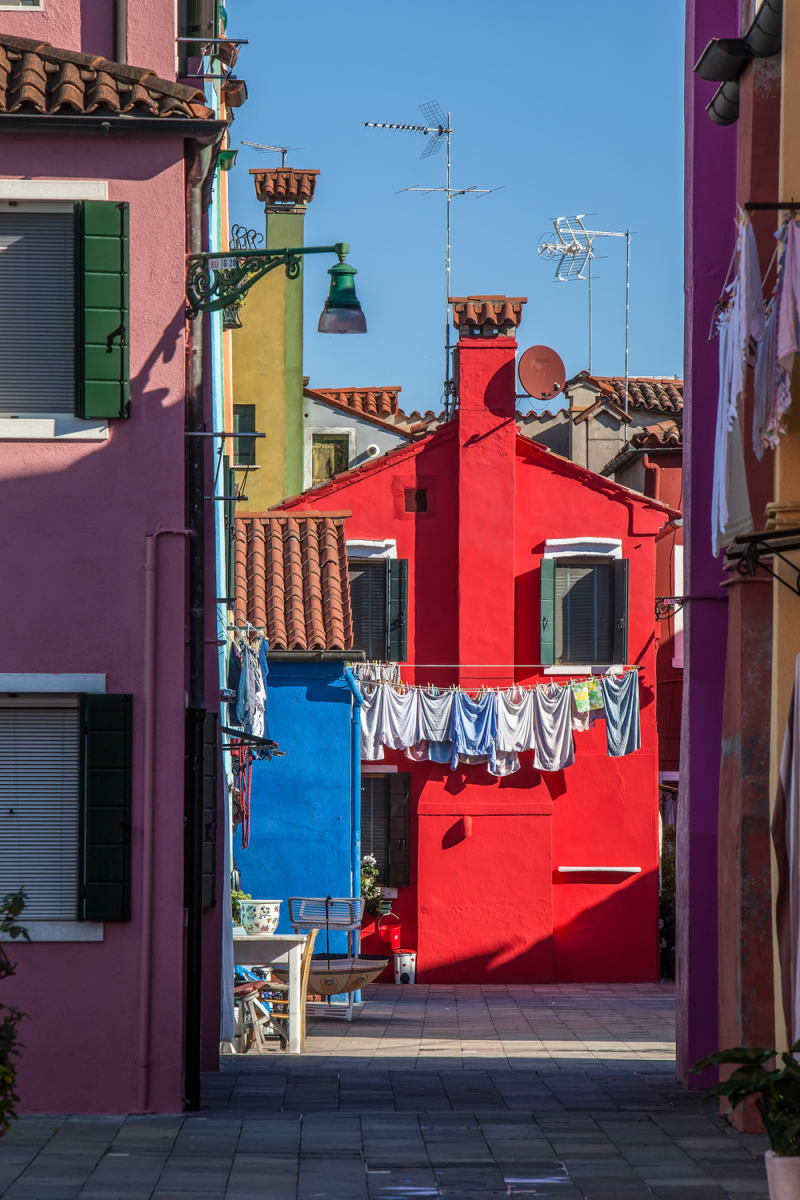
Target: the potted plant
pixel 777 1097
pixel 370 888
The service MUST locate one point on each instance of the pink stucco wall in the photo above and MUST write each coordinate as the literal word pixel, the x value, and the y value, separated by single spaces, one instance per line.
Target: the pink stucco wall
pixel 75 518
pixel 87 25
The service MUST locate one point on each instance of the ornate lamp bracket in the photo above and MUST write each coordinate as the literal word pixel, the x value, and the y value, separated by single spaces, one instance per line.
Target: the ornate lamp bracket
pixel 215 281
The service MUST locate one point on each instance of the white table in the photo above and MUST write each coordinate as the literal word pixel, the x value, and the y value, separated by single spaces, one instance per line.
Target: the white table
pixel 276 950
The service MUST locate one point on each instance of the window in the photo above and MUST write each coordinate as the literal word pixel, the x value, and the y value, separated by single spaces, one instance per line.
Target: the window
pixel 22 4
pixel 65 778
pixel 584 610
pixel 416 500
pixel 244 421
pixel 64 297
pixel 330 455
pixel 384 826
pixel 379 598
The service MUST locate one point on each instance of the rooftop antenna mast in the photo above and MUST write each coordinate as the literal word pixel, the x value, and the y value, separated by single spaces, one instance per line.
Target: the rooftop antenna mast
pixel 439 131
pixel 573 246
pixel 263 148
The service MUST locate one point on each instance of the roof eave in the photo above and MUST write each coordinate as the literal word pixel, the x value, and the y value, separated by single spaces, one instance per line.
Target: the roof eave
pixel 199 129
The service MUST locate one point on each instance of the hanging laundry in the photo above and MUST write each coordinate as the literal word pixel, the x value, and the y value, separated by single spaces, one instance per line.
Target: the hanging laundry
pixel 555 748
pixel 398 728
pixel 595 692
pixel 474 725
pixel 581 720
pixel 371 720
pixel 623 730
pixel 789 298
pixel 741 330
pixel 515 731
pixel 434 717
pixel 502 763
pixel 580 693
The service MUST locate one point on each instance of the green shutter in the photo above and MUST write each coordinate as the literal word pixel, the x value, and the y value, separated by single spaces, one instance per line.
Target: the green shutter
pixel 105 845
pixel 399 805
pixel 102 324
pixel 229 509
pixel 547 612
pixel 620 654
pixel 210 756
pixel 397 611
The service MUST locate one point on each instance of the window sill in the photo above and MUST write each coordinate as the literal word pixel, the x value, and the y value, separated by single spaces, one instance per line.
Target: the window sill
pixel 584 669
pixel 61 427
pixel 60 931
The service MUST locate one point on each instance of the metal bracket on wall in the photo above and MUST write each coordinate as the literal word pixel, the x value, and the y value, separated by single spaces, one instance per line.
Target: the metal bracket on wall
pixel 749 551
pixel 667 606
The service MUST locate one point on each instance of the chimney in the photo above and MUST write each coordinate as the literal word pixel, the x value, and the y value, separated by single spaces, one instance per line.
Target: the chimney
pixel 268 349
pixel 485 375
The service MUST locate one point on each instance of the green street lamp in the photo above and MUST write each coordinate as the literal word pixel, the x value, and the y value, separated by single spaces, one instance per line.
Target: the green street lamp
pixel 215 281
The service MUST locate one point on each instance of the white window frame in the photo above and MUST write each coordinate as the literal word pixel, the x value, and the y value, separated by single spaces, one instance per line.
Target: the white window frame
pixel 582 547
pixel 38 195
pixel 312 431
pixel 37 6
pixel 48 685
pixel 386 548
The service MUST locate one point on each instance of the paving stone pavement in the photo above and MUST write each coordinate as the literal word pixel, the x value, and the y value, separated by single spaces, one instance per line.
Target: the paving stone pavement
pixel 465 1093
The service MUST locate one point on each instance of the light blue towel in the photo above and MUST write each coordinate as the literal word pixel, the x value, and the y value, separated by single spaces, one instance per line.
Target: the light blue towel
pixel 474 725
pixel 621 696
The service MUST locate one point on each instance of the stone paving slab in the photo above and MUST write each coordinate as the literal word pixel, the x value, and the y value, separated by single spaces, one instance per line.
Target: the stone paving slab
pixel 471 1093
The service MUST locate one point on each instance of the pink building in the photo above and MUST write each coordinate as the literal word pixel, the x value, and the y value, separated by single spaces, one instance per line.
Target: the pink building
pixel 102 684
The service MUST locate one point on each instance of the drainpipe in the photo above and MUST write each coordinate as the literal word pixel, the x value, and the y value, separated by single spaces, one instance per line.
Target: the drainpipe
pixel 121 31
pixel 196 712
pixel 148 810
pixel 355 796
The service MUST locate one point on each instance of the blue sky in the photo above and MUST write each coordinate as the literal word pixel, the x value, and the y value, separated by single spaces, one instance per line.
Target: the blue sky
pixel 570 107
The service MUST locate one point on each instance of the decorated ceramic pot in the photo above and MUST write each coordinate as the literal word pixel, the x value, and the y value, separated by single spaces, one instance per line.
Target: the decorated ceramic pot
pixel 260 916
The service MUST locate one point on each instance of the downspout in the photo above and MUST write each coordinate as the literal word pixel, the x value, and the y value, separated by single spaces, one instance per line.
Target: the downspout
pixel 355 795
pixel 196 712
pixel 121 31
pixel 655 476
pixel 148 810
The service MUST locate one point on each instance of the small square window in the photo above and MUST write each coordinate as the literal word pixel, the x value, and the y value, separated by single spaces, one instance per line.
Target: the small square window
pixel 330 455
pixel 416 500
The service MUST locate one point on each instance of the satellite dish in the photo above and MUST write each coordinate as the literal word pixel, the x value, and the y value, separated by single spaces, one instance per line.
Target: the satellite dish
pixel 541 372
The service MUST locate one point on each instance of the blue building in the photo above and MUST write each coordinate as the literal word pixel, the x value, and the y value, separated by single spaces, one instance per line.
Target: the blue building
pixel 291 581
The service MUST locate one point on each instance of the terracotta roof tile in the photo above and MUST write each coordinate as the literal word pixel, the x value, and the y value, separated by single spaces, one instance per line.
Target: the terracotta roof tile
pixel 376 402
pixel 290 577
pixel 645 393
pixel 40 78
pixel 284 185
pixel 476 311
pixel 664 433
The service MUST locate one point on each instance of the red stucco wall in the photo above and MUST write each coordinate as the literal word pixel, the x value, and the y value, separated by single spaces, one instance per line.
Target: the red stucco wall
pixel 486 904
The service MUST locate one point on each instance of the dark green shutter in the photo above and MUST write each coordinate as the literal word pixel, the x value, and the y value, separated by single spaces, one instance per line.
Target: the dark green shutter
pixel 620 654
pixel 397 611
pixel 399 805
pixel 105 846
pixel 368 597
pixel 229 509
pixel 547 612
pixel 102 325
pixel 210 755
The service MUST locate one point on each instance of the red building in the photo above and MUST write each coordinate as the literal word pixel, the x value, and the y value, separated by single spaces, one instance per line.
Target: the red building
pixel 474 510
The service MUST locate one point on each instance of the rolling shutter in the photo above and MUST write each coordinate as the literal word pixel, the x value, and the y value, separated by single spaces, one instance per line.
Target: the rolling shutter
pixel 375 822
pixel 39 807
pixel 105 858
pixel 210 757
pixel 37 298
pixel 397 613
pixel 103 371
pixel 620 645
pixel 547 612
pixel 398 787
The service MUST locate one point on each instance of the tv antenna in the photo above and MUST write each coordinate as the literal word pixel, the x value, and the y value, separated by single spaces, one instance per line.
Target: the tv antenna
pixel 439 131
pixel 282 150
pixel 573 246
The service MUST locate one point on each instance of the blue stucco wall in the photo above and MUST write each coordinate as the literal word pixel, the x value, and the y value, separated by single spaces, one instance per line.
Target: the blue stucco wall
pixel 301 804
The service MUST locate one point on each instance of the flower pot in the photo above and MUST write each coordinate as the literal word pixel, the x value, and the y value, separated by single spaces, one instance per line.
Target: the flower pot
pixel 260 916
pixel 783 1176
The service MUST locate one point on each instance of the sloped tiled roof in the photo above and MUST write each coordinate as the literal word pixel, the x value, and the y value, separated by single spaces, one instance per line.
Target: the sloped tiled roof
pixel 645 393
pixel 36 77
pixel 375 402
pixel 663 434
pixel 487 310
pixel 290 577
pixel 284 185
